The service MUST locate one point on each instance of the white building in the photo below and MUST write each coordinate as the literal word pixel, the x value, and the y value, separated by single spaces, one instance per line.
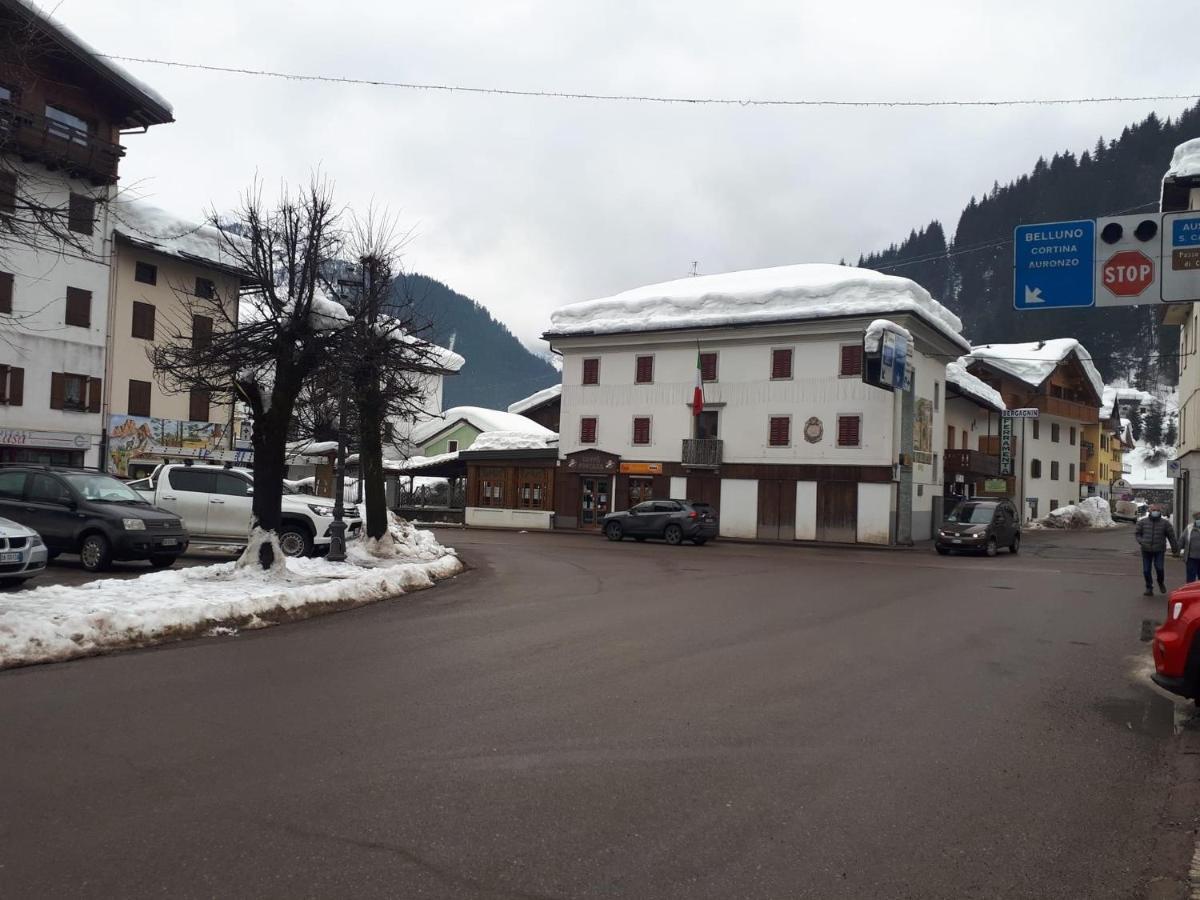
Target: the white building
pixel 972 445
pixel 790 444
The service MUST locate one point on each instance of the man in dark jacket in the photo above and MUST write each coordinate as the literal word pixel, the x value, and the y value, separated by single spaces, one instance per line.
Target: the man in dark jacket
pixel 1153 533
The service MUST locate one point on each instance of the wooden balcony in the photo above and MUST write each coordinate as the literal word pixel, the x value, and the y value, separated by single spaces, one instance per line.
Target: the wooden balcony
pixel 971 462
pixel 1065 409
pixel 34 137
pixel 1087 478
pixel 702 453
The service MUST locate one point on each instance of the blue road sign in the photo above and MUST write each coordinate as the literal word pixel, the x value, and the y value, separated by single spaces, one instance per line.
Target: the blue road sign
pixel 1054 265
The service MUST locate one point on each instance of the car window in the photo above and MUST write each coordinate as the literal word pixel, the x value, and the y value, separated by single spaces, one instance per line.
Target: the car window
pixel 972 513
pixel 101 487
pixel 643 508
pixel 48 489
pixel 666 506
pixel 12 485
pixel 230 485
pixel 191 480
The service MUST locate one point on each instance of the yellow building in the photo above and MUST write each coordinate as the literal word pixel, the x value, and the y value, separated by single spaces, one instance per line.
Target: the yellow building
pixel 1101 455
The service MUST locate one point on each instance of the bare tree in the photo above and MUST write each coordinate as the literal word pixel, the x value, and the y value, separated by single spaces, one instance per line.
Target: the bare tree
pixel 267 348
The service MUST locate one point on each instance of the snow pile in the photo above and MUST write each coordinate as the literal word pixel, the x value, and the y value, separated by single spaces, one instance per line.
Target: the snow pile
pixel 1147 466
pixel 781 294
pixel 1185 161
pixel 59 622
pixel 327 313
pixel 1033 362
pixel 874 334
pixel 535 400
pixel 512 440
pixel 1090 513
pixel 966 383
pixel 446 360
pixel 479 418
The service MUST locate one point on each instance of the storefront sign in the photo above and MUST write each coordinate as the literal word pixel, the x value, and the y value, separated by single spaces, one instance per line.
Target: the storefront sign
pixel 1031 412
pixel 641 468
pixel 995 485
pixel 20 437
pixel 1006 446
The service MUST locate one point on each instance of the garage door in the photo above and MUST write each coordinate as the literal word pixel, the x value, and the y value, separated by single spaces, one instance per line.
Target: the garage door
pixel 837 511
pixel 776 510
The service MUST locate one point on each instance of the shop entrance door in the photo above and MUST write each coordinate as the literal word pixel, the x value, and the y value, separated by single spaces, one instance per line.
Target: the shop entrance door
pixel 595 499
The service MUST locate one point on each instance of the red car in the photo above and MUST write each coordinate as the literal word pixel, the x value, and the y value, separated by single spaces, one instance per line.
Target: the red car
pixel 1176 651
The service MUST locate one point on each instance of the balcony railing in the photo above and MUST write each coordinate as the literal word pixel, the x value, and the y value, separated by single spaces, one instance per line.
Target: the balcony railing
pixel 971 462
pixel 58 146
pixel 1087 478
pixel 1066 409
pixel 702 453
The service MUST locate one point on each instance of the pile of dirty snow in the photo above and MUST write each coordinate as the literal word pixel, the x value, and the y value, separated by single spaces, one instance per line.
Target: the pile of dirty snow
pixel 59 622
pixel 1090 513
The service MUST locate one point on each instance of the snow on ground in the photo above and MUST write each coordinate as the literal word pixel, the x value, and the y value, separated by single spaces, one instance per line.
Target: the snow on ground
pixel 1093 512
pixel 59 622
pixel 1147 466
pixel 513 440
pixel 1185 161
pixel 784 293
pixel 964 381
pixel 528 403
pixel 1033 362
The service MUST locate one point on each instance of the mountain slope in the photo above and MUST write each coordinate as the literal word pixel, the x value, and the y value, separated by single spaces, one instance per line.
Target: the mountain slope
pixel 499 369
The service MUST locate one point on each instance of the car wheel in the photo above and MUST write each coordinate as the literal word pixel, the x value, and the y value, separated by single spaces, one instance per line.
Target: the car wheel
pixel 613 531
pixel 162 560
pixel 673 535
pixel 1015 546
pixel 942 551
pixel 990 549
pixel 95 553
pixel 294 540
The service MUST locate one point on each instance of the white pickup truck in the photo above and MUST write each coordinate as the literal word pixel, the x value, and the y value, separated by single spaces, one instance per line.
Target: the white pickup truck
pixel 214 503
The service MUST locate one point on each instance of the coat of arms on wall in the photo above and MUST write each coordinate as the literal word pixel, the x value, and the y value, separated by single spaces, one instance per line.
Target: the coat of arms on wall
pixel 813 430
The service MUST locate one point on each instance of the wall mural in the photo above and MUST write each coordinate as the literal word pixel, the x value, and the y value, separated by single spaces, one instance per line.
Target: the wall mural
pixel 133 436
pixel 923 432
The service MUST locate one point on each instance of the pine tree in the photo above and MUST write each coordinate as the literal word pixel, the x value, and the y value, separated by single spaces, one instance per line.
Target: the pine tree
pixel 1152 426
pixel 1170 432
pixel 1135 422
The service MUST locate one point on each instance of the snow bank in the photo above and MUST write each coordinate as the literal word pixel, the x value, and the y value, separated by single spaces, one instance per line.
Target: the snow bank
pixel 535 400
pixel 1093 512
pixel 1033 362
pixel 975 388
pixel 874 334
pixel 56 623
pixel 512 440
pixel 1185 161
pixel 481 419
pixel 784 293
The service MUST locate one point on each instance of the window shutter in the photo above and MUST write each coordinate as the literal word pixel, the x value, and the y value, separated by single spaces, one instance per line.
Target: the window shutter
pixel 139 398
pixel 587 430
pixel 641 430
pixel 82 214
pixel 79 307
pixel 645 370
pixel 708 366
pixel 3 383
pixel 16 386
pixel 591 371
pixel 143 320
pixel 848 431
pixel 58 389
pixel 198 406
pixel 852 360
pixel 8 193
pixel 950 432
pixel 781 363
pixel 205 288
pixel 6 292
pixel 780 428
pixel 93 396
pixel 202 328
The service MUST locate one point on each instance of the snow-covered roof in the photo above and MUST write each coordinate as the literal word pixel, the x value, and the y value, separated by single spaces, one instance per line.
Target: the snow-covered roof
pixel 479 418
pixel 1034 362
pixel 513 440
pixel 448 360
pixel 417 463
pixel 966 383
pixel 1185 161
pixel 133 86
pixel 535 400
pixel 780 294
pixel 1114 394
pixel 156 229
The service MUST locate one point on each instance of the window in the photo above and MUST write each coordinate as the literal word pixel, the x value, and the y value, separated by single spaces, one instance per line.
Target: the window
pixel 12 385
pixel 451 446
pixel 591 371
pixel 1053 505
pixel 6 292
pixel 667 506
pixel 1072 435
pixel 849 431
pixel 640 489
pixel 66 125
pixel 143 320
pixel 937 396
pixel 139 398
pixel 145 272
pixel 198 481
pixel 202 328
pixel 779 431
pixel 1054 432
pixel 1036 429
pixel 643 509
pixel 80 393
pixel 1035 468
pixel 491 487
pixel 230 484
pixel 1054 470
pixel 851 360
pixel 205 288
pixel 781 363
pixel 47 489
pixel 198 406
pixel 81 215
pixel 533 491
pixel 706 425
pixel 587 430
pixel 950 432
pixel 1070 471
pixel 644 370
pixel 708 367
pixel 79 308
pixel 12 485
pixel 641 430
pixel 8 193
pixel 964 439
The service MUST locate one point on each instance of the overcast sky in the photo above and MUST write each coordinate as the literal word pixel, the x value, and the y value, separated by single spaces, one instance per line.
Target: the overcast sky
pixel 527 204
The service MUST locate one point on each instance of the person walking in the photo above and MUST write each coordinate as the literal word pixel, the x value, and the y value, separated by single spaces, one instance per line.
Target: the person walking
pixel 1153 533
pixel 1191 548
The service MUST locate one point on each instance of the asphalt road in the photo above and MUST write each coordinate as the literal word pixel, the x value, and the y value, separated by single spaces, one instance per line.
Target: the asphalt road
pixel 575 718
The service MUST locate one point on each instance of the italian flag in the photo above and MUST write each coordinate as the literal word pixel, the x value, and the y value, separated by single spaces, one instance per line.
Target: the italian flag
pixel 698 391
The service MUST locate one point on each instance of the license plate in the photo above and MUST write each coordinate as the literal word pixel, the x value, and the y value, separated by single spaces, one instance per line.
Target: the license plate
pixel 169 542
pixel 957 541
pixel 10 557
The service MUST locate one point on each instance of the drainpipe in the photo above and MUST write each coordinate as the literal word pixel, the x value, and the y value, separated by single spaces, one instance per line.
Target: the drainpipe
pixel 109 337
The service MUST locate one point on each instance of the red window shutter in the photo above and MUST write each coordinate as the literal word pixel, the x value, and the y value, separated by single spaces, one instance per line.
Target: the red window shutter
pixel 781 363
pixel 641 430
pixel 6 292
pixel 708 366
pixel 780 431
pixel 591 371
pixel 645 370
pixel 94 390
pixel 58 389
pixel 848 431
pixel 852 360
pixel 587 430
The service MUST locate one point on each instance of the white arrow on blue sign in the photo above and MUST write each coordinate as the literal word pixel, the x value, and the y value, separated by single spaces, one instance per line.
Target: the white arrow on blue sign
pixel 1054 265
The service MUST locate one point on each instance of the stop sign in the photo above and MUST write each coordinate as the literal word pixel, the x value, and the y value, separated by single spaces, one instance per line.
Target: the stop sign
pixel 1127 273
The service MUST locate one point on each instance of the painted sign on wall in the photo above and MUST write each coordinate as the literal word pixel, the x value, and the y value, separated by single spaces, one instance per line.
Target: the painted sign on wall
pixel 133 436
pixel 1006 446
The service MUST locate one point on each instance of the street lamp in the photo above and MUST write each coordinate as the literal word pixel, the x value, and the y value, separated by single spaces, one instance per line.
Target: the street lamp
pixel 337 528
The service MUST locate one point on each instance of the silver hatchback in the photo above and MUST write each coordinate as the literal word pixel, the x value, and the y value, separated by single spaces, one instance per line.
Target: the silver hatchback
pixel 22 553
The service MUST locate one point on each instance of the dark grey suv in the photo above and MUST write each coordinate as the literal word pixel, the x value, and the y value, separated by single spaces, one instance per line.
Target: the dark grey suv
pixel 983 524
pixel 675 521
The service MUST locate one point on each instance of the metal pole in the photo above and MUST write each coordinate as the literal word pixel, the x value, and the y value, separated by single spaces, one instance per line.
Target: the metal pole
pixel 337 529
pixel 1021 477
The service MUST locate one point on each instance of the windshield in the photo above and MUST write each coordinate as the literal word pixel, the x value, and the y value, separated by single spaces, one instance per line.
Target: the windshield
pixel 972 513
pixel 103 488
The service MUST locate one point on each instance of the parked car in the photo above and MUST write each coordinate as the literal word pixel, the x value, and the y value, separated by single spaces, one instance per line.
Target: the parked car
pixel 980 524
pixel 1176 650
pixel 22 553
pixel 215 504
pixel 90 513
pixel 675 521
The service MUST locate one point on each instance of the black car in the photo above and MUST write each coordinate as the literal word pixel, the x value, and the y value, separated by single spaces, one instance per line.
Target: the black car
pixel 92 514
pixel 982 524
pixel 675 521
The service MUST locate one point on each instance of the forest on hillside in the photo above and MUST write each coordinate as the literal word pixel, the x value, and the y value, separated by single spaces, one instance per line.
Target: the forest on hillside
pixel 972 271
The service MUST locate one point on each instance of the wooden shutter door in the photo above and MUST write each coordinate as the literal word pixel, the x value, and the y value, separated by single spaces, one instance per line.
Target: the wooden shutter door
pixel 837 511
pixel 58 389
pixel 93 397
pixel 16 386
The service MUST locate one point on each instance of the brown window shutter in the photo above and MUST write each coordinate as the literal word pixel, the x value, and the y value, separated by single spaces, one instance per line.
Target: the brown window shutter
pixel 58 389
pixel 780 431
pixel 708 367
pixel 143 320
pixel 587 430
pixel 16 386
pixel 644 370
pixel 6 292
pixel 79 307
pixel 8 193
pixel 851 360
pixel 82 215
pixel 202 328
pixel 139 398
pixel 641 430
pixel 848 431
pixel 94 391
pixel 781 363
pixel 198 406
pixel 3 383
